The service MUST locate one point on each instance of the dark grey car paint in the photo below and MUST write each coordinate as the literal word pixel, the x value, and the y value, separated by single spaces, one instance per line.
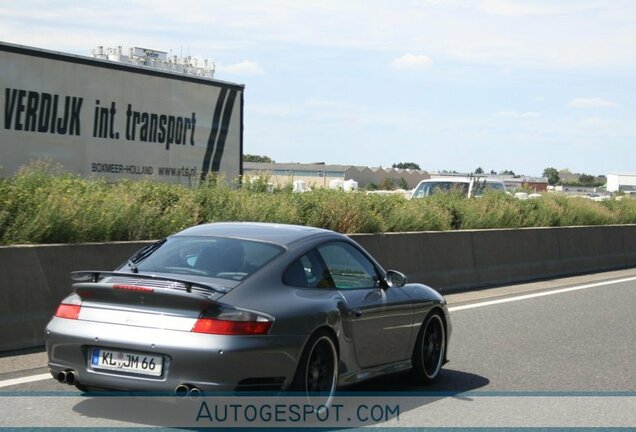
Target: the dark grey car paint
pixel 375 329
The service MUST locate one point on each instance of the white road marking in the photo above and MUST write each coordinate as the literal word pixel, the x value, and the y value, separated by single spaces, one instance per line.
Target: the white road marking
pixel 41 377
pixel 26 379
pixel 538 294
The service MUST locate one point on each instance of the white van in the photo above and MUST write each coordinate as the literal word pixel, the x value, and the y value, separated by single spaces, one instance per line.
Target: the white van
pixel 468 186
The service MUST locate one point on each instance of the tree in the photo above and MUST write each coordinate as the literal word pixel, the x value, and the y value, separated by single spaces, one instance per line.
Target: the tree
pixel 587 180
pixel 552 174
pixel 479 170
pixel 406 165
pixel 257 158
pixel 493 172
pixel 507 172
pixel 372 187
pixel 403 184
pixel 387 183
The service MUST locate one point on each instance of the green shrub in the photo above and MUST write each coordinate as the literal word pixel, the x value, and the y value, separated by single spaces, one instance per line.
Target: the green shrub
pixel 492 210
pixel 336 210
pixel 42 204
pixel 397 214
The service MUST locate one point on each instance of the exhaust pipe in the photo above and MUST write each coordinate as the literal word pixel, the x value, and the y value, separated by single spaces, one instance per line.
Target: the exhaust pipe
pixel 181 390
pixel 187 390
pixel 66 377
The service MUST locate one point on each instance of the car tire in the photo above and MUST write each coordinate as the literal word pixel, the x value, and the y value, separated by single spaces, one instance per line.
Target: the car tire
pixel 317 373
pixel 430 349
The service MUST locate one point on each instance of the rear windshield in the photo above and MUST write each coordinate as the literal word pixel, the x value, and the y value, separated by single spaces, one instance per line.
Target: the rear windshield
pixel 481 187
pixel 217 257
pixel 430 188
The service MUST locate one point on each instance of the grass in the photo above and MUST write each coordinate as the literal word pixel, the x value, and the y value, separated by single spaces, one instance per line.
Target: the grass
pixel 42 204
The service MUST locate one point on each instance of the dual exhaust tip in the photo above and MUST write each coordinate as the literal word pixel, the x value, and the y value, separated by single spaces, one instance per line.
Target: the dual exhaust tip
pixel 182 390
pixel 186 390
pixel 66 377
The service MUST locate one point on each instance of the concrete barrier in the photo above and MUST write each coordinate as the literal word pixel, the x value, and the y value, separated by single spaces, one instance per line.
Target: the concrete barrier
pixel 452 261
pixel 36 278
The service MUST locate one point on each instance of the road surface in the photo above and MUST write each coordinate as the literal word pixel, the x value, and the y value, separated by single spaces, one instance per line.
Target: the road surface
pixel 559 353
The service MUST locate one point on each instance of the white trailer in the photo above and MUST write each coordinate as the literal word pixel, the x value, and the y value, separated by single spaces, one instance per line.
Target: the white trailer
pixel 103 118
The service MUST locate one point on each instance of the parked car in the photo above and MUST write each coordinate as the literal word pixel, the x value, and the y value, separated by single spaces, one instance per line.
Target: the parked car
pixel 246 306
pixel 468 186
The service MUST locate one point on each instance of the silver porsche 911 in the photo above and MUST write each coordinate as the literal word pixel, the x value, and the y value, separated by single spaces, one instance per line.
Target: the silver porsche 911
pixel 246 306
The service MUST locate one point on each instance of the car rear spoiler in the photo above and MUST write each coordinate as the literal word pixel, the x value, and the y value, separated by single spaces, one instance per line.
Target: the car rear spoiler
pixel 96 275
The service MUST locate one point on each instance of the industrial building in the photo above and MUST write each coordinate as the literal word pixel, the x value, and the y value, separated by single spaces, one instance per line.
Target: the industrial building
pixel 321 175
pixel 621 182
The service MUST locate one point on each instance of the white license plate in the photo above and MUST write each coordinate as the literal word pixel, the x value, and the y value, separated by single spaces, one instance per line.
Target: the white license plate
pixel 124 361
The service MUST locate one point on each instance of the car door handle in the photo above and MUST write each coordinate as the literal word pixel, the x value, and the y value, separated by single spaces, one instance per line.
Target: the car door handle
pixel 356 313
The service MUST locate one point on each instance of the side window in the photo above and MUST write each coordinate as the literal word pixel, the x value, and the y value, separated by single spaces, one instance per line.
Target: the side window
pixel 308 272
pixel 348 267
pixel 422 191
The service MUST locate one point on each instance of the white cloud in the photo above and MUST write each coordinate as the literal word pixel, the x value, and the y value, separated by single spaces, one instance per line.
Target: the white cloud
pixel 594 123
pixel 246 67
pixel 591 103
pixel 322 103
pixel 517 115
pixel 271 110
pixel 508 33
pixel 518 8
pixel 412 62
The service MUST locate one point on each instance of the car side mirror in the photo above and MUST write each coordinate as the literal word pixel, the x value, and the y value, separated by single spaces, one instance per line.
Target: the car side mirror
pixel 395 278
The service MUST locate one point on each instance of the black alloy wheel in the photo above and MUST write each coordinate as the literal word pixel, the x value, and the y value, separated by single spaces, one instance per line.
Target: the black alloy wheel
pixel 430 349
pixel 317 376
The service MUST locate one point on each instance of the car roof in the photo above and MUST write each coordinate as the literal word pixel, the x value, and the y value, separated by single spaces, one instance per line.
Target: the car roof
pixel 447 179
pixel 282 234
pixel 459 180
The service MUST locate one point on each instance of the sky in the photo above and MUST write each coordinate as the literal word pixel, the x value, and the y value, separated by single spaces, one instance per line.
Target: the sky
pixel 515 85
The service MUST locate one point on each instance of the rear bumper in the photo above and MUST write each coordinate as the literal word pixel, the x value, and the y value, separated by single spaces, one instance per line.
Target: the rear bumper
pixel 209 362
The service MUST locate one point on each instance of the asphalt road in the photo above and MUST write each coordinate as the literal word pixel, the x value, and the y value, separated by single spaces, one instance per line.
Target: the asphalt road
pixel 557 353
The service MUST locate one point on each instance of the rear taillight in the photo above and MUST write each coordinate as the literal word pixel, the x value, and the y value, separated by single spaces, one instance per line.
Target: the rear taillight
pixel 223 327
pixel 69 311
pixel 232 322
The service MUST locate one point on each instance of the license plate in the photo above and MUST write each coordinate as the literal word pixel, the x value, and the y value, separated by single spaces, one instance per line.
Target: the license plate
pixel 124 361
